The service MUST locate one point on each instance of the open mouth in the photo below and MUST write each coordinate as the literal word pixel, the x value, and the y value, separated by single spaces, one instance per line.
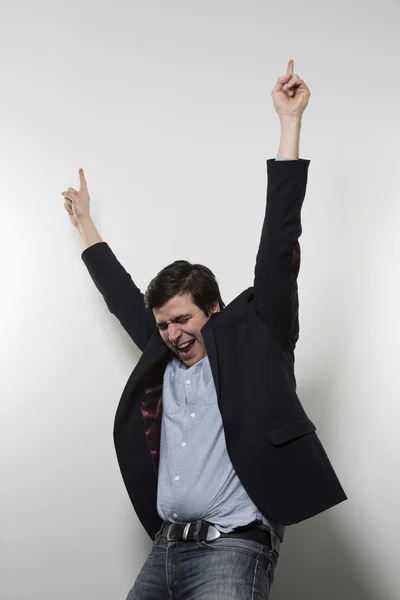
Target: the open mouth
pixel 185 349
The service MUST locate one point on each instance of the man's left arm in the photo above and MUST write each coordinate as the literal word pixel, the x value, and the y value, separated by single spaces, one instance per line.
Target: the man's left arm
pixel 278 258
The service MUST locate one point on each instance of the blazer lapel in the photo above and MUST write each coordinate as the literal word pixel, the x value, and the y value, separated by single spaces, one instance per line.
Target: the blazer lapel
pixel 148 372
pixel 150 368
pixel 155 352
pixel 208 336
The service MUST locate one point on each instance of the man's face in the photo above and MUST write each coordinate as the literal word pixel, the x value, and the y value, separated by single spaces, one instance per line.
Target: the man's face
pixel 179 322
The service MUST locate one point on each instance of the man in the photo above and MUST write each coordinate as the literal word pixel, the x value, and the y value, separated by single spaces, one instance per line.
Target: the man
pixel 215 449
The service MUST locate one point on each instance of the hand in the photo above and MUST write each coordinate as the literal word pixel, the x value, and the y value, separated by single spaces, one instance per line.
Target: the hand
pixel 290 94
pixel 77 203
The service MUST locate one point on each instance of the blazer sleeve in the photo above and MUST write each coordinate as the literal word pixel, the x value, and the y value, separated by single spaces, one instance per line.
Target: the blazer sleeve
pixel 278 258
pixel 123 298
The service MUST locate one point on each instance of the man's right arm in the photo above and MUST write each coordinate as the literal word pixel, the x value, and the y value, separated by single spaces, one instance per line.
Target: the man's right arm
pixel 122 296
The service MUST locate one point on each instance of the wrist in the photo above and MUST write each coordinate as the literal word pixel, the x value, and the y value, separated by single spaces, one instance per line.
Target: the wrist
pixel 290 137
pixel 290 122
pixel 84 221
pixel 88 232
pixel 85 227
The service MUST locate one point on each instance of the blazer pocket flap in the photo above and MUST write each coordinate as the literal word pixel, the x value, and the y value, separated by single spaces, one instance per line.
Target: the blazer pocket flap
pixel 290 431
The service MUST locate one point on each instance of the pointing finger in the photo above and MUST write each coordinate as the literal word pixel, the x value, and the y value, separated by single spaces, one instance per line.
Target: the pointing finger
pixel 290 67
pixel 82 180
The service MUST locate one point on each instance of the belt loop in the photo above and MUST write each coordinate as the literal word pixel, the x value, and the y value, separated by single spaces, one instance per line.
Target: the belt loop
pixel 158 534
pixel 275 540
pixel 169 532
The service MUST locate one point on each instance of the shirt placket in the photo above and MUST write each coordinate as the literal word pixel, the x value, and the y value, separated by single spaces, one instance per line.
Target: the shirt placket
pixel 188 389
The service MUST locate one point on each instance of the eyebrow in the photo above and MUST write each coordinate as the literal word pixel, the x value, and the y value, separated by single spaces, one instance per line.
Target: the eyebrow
pixel 174 320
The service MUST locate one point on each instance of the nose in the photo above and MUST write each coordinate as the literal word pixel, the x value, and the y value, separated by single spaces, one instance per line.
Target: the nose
pixel 174 332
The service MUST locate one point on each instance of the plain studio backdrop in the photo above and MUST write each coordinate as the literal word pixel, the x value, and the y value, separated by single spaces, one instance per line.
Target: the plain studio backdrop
pixel 167 107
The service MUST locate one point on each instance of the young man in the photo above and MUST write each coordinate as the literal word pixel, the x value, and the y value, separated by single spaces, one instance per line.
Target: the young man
pixel 214 446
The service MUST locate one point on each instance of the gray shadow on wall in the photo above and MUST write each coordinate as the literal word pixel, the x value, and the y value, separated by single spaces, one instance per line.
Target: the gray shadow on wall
pixel 315 565
pixel 314 562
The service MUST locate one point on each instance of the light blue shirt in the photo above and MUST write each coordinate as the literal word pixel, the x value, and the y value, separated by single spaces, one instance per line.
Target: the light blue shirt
pixel 196 478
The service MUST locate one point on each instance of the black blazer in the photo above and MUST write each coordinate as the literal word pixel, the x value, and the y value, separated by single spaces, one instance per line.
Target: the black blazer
pixel 250 344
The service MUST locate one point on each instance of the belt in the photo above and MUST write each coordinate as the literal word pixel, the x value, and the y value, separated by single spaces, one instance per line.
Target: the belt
pixel 201 531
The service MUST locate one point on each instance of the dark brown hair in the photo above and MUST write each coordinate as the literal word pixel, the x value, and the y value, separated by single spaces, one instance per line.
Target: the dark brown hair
pixel 182 277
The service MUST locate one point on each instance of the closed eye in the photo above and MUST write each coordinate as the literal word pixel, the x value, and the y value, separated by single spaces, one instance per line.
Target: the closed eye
pixel 183 319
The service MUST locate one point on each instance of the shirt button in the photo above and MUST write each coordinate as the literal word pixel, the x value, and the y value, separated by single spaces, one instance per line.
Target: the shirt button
pixel 193 415
pixel 187 382
pixel 183 444
pixel 177 478
pixel 175 516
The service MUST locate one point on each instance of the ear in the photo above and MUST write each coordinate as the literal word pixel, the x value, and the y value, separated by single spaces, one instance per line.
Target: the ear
pixel 216 307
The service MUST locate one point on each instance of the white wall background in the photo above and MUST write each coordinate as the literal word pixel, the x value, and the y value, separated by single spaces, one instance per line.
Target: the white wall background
pixel 167 107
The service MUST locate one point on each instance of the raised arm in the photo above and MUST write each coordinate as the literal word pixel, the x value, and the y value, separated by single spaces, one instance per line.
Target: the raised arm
pixel 122 296
pixel 278 258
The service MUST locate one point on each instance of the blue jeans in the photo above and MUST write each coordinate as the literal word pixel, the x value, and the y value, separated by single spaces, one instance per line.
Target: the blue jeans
pixel 226 569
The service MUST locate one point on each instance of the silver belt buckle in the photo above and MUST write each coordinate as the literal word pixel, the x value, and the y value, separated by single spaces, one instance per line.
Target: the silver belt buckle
pixel 186 531
pixel 212 534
